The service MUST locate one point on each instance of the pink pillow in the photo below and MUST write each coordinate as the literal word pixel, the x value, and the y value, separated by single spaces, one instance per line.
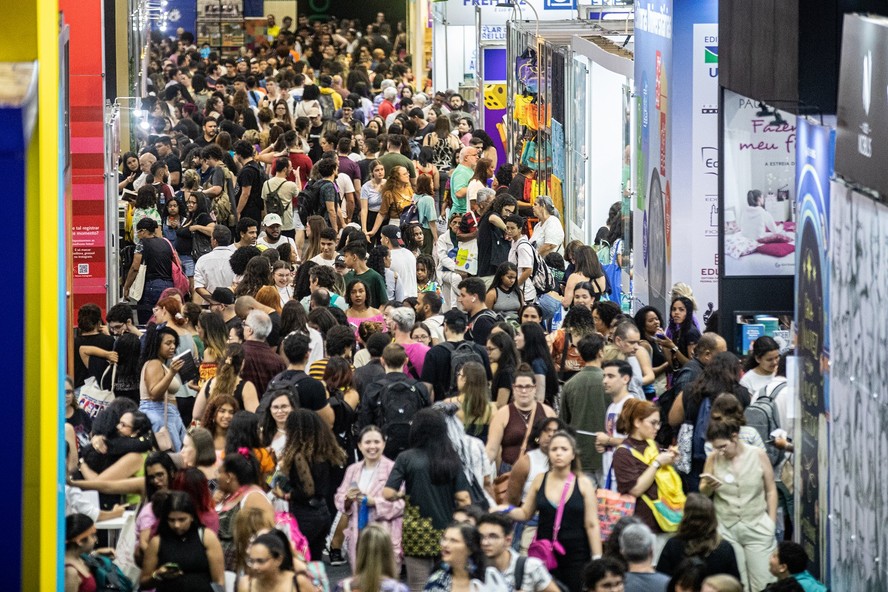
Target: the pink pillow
pixel 789 226
pixel 774 238
pixel 776 249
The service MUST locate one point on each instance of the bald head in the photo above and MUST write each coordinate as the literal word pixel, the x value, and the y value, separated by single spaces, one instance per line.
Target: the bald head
pixel 145 162
pixel 243 305
pixel 709 345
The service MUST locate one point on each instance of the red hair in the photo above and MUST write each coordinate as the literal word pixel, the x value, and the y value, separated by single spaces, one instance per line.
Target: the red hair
pixel 633 410
pixel 174 309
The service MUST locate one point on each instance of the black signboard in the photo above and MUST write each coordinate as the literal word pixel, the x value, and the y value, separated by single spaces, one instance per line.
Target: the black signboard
pixel 862 113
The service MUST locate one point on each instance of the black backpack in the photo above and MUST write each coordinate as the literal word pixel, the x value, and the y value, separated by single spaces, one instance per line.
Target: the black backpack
pixel 309 200
pixel 764 417
pixel 285 381
pixel 273 203
pixel 666 434
pixel 460 354
pixel 344 424
pixel 393 410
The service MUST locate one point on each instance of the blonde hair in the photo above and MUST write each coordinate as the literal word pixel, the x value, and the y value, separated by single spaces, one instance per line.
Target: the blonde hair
pixel 724 583
pixel 611 352
pixel 248 523
pixel 375 559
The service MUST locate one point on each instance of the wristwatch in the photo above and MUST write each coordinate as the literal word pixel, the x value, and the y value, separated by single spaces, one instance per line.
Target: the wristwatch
pixel 656 464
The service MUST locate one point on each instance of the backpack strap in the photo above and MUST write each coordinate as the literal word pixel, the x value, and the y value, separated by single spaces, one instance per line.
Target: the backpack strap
pixel 412 369
pixel 519 572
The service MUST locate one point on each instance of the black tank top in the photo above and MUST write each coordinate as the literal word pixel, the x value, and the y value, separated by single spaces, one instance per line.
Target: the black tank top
pixel 573 530
pixel 191 556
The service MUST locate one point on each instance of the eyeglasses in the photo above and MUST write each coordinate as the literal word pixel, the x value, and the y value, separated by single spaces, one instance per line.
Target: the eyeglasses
pixel 251 561
pixel 524 387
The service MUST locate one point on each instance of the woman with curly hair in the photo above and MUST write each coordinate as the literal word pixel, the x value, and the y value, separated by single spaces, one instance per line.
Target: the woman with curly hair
pixel 217 418
pixel 308 458
pixel 578 323
pixel 397 194
pixel 256 275
pixel 243 432
pixel 380 261
pixel 228 381
pixel 425 275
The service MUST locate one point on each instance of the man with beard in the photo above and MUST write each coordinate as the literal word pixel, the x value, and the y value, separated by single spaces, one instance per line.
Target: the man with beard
pixel 428 311
pixel 210 129
pixel 164 147
pixel 272 237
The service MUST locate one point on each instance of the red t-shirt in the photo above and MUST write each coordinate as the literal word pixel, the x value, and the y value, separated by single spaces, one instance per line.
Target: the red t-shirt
pixel 301 161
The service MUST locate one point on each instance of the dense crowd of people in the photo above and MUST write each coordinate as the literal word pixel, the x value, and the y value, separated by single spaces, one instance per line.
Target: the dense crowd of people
pixel 347 331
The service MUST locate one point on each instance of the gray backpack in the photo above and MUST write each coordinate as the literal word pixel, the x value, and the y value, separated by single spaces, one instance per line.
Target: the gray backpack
pixel 764 417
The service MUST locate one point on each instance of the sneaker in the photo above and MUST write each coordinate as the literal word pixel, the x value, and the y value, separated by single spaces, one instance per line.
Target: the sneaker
pixel 336 557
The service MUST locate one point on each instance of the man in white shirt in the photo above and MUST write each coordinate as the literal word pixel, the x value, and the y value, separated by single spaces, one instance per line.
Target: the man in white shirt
pixel 327 256
pixel 403 262
pixel 521 254
pixel 272 237
pixel 617 374
pixel 213 270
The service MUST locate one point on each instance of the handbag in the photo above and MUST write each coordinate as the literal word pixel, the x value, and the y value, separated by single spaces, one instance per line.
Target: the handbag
pixel 544 549
pixel 125 549
pixel 162 436
pixel 138 285
pixel 501 483
pixel 180 280
pixel 200 245
pixel 612 506
pixel 93 399
pixel 685 440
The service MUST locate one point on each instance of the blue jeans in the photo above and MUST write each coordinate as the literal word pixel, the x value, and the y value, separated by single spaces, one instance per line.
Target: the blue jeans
pixel 150 295
pixel 154 411
pixel 187 265
pixel 549 305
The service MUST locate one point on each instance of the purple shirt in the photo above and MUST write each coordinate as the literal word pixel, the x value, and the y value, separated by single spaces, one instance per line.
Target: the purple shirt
pixel 350 168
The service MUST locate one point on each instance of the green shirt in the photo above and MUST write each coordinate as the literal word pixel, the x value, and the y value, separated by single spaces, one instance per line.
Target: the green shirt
pixel 376 296
pixel 425 209
pixel 459 180
pixel 584 407
pixel 390 160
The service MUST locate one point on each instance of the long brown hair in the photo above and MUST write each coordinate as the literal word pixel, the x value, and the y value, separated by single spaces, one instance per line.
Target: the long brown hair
pixel 228 370
pixel 475 404
pixel 309 441
pixel 699 526
pixel 213 405
pixel 338 375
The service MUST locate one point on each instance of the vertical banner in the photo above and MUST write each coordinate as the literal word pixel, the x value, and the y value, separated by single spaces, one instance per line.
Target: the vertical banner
pixel 858 400
pixel 814 158
pixel 759 166
pixel 653 69
pixel 495 100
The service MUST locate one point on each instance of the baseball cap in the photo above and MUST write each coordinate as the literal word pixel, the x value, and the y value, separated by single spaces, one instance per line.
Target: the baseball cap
pixel 340 261
pixel 271 220
pixel 223 296
pixel 392 232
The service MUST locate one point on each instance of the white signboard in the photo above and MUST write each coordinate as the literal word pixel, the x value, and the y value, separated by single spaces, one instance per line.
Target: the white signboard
pixel 462 12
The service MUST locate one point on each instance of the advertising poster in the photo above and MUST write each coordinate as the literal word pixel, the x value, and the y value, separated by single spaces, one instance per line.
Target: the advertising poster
pixel 653 69
pixel 858 400
pixel 495 100
pixel 814 154
pixel 862 113
pixel 182 13
pixel 758 164
pixel 579 228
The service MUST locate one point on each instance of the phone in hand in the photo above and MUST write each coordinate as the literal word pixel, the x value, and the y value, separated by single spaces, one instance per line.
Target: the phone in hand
pixel 711 478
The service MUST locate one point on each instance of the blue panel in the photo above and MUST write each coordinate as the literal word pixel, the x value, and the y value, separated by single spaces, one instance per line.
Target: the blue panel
pixel 182 13
pixel 495 64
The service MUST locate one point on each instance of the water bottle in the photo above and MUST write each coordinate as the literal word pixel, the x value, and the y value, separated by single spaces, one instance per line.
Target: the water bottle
pixel 363 513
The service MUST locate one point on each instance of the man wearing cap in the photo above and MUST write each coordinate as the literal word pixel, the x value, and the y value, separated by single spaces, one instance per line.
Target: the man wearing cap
pixel 213 270
pixel 339 266
pixel 403 262
pixel 222 301
pixel 273 237
pixel 291 224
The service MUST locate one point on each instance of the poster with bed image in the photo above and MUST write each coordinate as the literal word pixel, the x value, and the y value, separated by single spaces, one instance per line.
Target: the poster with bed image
pixel 759 167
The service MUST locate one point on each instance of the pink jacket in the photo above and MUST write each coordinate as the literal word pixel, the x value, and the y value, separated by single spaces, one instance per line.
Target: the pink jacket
pixel 389 514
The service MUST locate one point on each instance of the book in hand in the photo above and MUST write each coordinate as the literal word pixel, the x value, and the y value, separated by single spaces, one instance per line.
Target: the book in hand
pixel 188 371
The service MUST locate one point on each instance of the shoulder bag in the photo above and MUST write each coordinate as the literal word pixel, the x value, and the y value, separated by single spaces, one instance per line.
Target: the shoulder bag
pixel 544 549
pixel 138 285
pixel 93 399
pixel 180 280
pixel 612 506
pixel 501 483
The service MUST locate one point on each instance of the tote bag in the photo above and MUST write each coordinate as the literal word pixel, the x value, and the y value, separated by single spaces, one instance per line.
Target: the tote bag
pixel 138 285
pixel 612 506
pixel 93 399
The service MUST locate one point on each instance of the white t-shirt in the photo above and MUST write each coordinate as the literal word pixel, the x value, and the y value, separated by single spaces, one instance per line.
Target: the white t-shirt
pixel 610 427
pixel 521 254
pixel 754 382
pixel 549 232
pixel 319 259
pixel 263 241
pixel 404 264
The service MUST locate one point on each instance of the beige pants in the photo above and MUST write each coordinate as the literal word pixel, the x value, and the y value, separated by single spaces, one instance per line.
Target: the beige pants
pixel 753 544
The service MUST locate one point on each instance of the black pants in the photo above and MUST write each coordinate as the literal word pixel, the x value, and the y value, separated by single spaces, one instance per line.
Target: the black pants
pixel 314 523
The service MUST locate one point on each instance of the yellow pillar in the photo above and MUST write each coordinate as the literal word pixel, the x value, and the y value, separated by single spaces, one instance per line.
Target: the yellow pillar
pixel 29 30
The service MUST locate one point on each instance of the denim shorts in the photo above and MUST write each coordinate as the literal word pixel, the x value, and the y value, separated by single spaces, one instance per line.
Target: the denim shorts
pixel 187 265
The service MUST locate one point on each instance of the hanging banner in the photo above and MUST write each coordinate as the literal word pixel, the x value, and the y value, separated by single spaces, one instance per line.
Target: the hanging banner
pixel 858 360
pixel 862 112
pixel 808 426
pixel 653 71
pixel 758 165
pixel 462 12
